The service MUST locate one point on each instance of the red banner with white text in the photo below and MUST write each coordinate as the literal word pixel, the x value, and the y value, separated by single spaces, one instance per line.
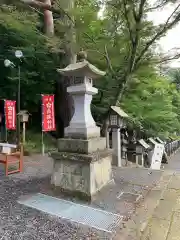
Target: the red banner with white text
pixel 48 113
pixel 10 114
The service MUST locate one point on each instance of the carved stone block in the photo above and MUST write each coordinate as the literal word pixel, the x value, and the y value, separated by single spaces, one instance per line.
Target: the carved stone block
pixel 81 146
pixel 80 173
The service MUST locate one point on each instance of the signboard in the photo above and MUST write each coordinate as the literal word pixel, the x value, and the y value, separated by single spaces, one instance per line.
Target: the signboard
pixel 10 114
pixel 159 140
pixel 48 114
pixel 144 144
pixel 152 141
pixel 156 156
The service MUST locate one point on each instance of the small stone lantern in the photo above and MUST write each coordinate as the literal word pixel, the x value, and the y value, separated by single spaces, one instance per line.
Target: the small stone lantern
pixel 116 117
pixel 24 118
pixel 141 148
pixel 116 121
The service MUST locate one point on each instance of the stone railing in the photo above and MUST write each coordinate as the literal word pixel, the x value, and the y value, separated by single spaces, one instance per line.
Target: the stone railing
pixel 171 147
pixel 139 153
pixel 144 155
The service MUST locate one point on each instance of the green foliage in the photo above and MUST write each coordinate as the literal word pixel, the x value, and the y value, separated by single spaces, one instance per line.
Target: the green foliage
pixel 34 143
pixel 150 101
pixel 19 30
pixel 119 43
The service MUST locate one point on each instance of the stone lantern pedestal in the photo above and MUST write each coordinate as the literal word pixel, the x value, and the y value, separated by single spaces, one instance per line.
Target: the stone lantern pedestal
pixel 82 164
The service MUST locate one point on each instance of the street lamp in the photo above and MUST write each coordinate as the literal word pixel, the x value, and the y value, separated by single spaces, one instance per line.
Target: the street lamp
pixel 8 63
pixel 19 55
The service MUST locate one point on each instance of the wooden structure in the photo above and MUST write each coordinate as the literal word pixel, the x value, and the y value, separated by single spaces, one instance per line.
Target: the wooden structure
pixel 10 155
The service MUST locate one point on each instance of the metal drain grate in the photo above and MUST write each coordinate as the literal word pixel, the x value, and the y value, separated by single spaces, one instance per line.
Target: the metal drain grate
pixel 96 218
pixel 129 197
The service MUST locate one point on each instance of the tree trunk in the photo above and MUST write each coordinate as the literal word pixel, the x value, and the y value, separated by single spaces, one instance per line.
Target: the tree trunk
pixel 63 101
pixel 48 20
pixel 64 107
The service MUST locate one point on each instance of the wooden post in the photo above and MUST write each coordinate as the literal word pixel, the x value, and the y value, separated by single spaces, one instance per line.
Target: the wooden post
pixel 24 133
pixel 42 142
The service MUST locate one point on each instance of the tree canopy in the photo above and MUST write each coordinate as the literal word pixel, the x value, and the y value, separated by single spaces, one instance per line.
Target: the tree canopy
pixel 123 42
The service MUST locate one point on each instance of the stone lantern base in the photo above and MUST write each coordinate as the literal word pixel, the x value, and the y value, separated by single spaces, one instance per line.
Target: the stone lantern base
pixel 82 167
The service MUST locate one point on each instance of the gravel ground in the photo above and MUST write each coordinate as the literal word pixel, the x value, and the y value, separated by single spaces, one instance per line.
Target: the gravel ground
pixel 20 222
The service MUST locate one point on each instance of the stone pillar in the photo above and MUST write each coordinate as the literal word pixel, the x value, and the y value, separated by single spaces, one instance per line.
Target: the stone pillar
pixel 116 145
pixel 82 124
pixel 107 139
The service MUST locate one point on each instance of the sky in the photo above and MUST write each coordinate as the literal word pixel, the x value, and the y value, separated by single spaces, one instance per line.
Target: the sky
pixel 172 38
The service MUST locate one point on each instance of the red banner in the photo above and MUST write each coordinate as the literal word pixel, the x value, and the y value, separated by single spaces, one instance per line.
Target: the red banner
pixel 10 114
pixel 48 115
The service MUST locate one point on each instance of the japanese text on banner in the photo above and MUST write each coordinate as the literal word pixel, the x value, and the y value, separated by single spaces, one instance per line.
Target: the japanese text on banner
pixel 48 115
pixel 10 114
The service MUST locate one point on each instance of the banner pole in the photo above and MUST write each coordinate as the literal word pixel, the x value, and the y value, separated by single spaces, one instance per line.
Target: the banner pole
pixel 5 120
pixel 43 146
pixel 42 132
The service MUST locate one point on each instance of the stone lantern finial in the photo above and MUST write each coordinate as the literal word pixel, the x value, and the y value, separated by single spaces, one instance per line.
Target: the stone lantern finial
pixel 81 56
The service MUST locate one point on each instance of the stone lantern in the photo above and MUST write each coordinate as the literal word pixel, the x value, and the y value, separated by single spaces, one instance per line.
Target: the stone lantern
pixel 117 117
pixel 116 121
pixel 82 164
pixel 81 88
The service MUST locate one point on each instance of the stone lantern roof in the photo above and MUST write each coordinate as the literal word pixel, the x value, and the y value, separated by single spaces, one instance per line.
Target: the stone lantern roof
pixel 81 69
pixel 119 111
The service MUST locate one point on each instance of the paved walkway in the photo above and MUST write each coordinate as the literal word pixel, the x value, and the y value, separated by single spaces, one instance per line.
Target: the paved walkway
pixel 165 222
